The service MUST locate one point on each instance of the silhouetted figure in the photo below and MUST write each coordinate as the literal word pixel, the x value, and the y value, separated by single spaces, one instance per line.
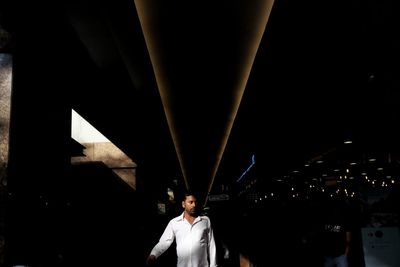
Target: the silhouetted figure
pixel 336 233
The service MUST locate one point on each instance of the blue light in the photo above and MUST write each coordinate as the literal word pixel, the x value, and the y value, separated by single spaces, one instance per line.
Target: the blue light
pixel 253 162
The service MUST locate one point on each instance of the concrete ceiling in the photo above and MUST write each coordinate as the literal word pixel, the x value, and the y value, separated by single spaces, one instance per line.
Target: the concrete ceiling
pixel 198 88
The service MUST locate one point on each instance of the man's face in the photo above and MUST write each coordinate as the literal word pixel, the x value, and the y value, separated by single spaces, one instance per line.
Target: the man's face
pixel 189 204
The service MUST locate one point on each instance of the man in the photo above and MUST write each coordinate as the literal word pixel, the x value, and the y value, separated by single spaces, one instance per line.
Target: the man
pixel 336 235
pixel 195 244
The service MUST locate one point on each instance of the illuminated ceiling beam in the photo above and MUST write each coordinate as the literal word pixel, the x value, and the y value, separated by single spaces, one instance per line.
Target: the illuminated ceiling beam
pixel 202 54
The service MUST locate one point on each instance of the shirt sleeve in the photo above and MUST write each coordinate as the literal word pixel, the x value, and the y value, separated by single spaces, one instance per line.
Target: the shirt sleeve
pixel 212 250
pixel 165 241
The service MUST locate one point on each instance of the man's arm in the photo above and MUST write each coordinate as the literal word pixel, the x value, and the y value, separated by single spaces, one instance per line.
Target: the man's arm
pixel 348 241
pixel 212 250
pixel 163 244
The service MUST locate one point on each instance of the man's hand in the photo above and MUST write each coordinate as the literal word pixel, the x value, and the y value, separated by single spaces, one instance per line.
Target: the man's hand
pixel 151 260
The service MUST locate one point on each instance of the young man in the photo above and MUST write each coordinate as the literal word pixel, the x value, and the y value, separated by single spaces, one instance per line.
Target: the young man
pixel 336 234
pixel 195 244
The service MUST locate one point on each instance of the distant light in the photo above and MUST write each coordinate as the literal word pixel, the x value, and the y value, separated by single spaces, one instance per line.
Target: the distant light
pixel 353 163
pixel 320 161
pixel 170 193
pixel 371 160
pixel 306 165
pixel 348 142
pixel 371 77
pixel 379 169
pixel 253 162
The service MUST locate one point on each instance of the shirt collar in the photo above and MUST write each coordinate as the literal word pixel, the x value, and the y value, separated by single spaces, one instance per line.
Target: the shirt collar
pixel 182 216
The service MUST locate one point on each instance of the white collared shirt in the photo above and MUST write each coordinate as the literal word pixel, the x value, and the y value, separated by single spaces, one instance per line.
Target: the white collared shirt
pixel 195 244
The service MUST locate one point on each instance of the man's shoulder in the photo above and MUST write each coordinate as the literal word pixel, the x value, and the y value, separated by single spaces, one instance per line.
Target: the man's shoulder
pixel 177 218
pixel 204 217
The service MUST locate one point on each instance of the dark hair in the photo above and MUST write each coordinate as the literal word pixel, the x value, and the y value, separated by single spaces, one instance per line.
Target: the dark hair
pixel 188 193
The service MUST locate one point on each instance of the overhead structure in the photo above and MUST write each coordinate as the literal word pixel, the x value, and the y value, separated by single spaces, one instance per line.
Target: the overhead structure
pixel 202 54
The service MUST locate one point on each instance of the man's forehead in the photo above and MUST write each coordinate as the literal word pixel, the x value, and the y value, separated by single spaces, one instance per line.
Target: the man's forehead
pixel 190 198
